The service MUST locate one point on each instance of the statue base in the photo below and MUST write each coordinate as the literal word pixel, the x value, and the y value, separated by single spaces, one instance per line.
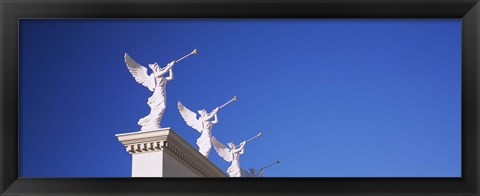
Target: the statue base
pixel 162 153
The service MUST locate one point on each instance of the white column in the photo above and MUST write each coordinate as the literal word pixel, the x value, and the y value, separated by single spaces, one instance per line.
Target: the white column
pixel 147 164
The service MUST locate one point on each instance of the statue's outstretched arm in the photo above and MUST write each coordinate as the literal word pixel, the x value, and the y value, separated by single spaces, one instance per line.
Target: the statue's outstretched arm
pixel 240 149
pixel 167 68
pixel 213 113
pixel 242 144
pixel 216 119
pixel 170 77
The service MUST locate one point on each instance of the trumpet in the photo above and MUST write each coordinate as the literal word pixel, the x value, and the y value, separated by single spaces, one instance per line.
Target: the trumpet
pixel 228 102
pixel 258 135
pixel 191 53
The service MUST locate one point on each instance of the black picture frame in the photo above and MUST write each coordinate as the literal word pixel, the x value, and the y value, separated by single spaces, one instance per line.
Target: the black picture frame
pixel 13 10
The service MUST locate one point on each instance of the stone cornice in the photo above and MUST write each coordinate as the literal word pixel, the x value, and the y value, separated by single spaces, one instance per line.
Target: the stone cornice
pixel 168 141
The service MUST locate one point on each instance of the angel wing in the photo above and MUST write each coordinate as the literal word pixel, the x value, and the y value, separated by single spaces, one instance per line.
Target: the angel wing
pixel 222 150
pixel 190 117
pixel 139 72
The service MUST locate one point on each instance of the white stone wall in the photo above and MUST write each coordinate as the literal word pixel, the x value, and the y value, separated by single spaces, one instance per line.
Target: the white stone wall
pixel 173 168
pixel 147 164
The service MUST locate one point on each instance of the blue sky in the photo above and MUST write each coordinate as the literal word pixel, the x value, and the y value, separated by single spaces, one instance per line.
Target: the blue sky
pixel 333 97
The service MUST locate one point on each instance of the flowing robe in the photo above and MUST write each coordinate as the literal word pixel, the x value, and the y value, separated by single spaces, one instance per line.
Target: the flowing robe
pixel 157 103
pixel 234 170
pixel 204 141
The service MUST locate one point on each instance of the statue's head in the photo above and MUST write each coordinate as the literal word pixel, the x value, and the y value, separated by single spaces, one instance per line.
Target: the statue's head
pixel 202 112
pixel 154 66
pixel 231 145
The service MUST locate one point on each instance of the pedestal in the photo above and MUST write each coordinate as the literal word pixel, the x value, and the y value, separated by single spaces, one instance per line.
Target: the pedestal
pixel 162 153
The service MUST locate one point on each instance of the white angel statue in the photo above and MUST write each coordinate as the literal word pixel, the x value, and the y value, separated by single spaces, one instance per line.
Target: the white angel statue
pixel 155 82
pixel 231 154
pixel 202 125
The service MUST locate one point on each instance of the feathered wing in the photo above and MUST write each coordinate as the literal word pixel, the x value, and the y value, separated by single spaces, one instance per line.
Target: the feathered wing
pixel 222 150
pixel 139 72
pixel 190 117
